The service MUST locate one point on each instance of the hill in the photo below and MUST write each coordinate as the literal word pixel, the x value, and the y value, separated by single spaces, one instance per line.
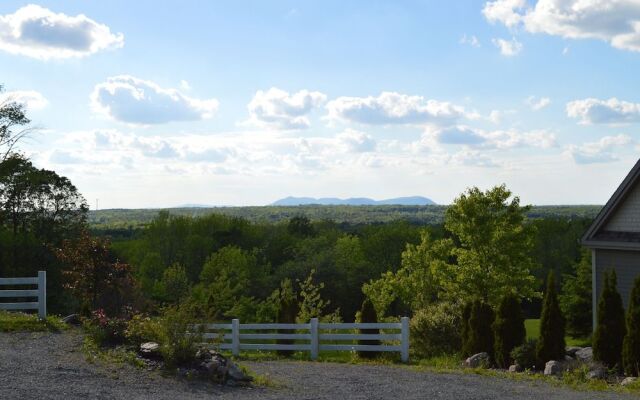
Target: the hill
pixel 354 201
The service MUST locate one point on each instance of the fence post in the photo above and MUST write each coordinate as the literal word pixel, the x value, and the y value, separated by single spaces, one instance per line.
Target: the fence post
pixel 405 339
pixel 235 337
pixel 315 342
pixel 42 294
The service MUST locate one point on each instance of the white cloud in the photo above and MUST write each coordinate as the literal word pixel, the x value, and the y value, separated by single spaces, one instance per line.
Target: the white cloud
pixel 276 108
pixel 31 99
pixel 612 111
pixel 615 21
pixel 136 101
pixel 598 152
pixel 474 158
pixel 537 103
pixel 508 48
pixel 393 108
pixel 497 139
pixel 471 40
pixel 37 32
pixel 356 141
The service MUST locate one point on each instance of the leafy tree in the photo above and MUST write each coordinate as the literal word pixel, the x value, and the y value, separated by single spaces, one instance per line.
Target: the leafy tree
pixel 287 311
pixel 368 315
pixel 312 305
pixel 610 325
pixel 576 297
pixel 12 115
pixel 508 328
pixel 480 337
pixel 174 285
pixel 465 330
pixel 493 255
pixel 631 343
pixel 300 226
pixel 551 343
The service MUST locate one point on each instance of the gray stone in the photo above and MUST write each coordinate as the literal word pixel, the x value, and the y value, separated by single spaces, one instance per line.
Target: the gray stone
pixel 480 360
pixel 568 358
pixel 150 349
pixel 73 319
pixel 628 380
pixel 515 368
pixel 236 374
pixel 597 373
pixel 584 354
pixel 552 368
pixel 571 351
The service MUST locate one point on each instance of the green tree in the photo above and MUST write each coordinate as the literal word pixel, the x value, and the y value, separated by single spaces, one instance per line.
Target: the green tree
pixel 312 305
pixel 631 343
pixel 174 285
pixel 480 338
pixel 300 226
pixel 12 115
pixel 508 328
pixel 465 330
pixel 610 326
pixel 576 297
pixel 287 302
pixel 368 315
pixel 493 255
pixel 551 343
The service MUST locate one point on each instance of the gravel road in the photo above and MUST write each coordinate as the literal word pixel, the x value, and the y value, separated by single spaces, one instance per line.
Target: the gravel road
pixel 52 366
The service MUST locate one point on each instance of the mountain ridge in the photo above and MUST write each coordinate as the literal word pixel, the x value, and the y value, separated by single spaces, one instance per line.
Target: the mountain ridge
pixel 353 201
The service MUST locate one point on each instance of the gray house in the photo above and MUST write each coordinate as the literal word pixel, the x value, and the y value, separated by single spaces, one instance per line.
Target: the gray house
pixel 614 238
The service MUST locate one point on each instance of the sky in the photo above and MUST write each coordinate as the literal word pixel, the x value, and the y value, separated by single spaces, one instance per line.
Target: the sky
pixel 162 103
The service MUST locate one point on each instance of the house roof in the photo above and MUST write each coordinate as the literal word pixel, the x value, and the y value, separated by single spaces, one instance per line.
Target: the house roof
pixel 596 236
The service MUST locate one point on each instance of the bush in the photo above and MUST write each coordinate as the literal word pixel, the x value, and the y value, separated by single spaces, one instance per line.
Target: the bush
pixel 525 354
pixel 142 329
pixel 576 300
pixel 178 342
pixel 551 342
pixel 105 331
pixel 287 312
pixel 610 327
pixel 508 329
pixel 480 337
pixel 631 344
pixel 368 315
pixel 435 330
pixel 464 333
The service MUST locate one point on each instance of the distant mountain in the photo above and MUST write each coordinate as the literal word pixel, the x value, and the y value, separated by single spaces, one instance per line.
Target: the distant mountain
pixel 193 206
pixel 354 201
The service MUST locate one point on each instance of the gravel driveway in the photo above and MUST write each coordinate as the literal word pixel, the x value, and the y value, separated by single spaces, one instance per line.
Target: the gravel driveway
pixel 52 366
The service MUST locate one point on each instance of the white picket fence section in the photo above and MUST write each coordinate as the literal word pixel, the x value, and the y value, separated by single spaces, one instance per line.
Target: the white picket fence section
pixel 39 293
pixel 310 337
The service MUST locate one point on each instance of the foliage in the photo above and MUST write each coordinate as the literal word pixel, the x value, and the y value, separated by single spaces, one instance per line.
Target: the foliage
pixel 104 330
pixel 178 340
pixel 312 305
pixel 631 343
pixel 464 328
pixel 12 115
pixel 610 324
pixel 287 310
pixel 576 297
pixel 141 328
pixel 435 330
pixel 551 344
pixel 508 329
pixel 300 226
pixel 368 315
pixel 525 354
pixel 174 285
pixel 493 255
pixel 22 322
pixel 480 337
pixel 96 278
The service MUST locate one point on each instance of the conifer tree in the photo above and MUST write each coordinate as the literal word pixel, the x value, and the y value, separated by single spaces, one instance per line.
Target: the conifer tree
pixel 368 315
pixel 631 343
pixel 464 334
pixel 610 325
pixel 480 337
pixel 508 329
pixel 551 342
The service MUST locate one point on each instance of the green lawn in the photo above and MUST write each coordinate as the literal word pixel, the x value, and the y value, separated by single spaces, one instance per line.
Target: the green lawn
pixel 533 330
pixel 21 322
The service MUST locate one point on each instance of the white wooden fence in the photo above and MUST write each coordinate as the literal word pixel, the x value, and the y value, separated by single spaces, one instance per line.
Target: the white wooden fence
pixel 40 293
pixel 310 337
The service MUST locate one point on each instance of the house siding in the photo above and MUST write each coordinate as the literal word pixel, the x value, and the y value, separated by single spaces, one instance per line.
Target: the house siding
pixel 627 267
pixel 627 217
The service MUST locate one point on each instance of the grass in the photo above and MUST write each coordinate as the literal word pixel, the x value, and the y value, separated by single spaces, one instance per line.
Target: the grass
pixel 533 330
pixel 117 355
pixel 22 322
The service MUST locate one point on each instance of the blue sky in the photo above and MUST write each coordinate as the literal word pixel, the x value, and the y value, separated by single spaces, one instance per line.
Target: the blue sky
pixel 160 103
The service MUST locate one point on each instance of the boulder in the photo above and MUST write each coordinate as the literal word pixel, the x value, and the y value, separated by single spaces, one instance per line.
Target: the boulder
pixel 479 360
pixel 628 380
pixel 597 372
pixel 515 368
pixel 150 349
pixel 571 351
pixel 234 373
pixel 552 368
pixel 73 319
pixel 584 354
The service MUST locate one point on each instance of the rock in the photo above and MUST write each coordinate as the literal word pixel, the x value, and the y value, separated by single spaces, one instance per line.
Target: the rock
pixel 73 319
pixel 597 373
pixel 584 354
pixel 150 349
pixel 236 374
pixel 515 368
pixel 480 360
pixel 628 380
pixel 552 368
pixel 568 358
pixel 571 351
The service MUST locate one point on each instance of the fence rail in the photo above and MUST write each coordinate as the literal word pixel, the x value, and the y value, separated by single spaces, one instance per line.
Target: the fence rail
pixel 310 337
pixel 40 293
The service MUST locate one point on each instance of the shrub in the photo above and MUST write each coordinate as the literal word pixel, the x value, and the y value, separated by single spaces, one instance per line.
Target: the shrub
pixel 576 300
pixel 464 332
pixel 631 344
pixel 178 341
pixel 287 311
pixel 525 354
pixel 142 329
pixel 480 337
pixel 508 329
pixel 105 330
pixel 551 342
pixel 368 315
pixel 435 330
pixel 610 326
pixel 174 285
